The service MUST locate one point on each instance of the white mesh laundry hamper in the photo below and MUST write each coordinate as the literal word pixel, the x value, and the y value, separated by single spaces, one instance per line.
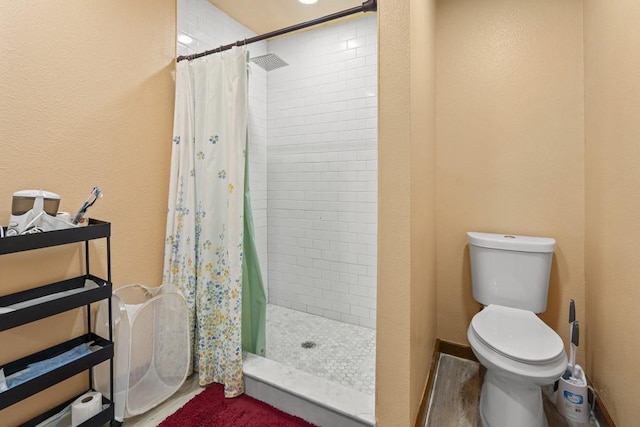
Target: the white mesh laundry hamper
pixel 152 347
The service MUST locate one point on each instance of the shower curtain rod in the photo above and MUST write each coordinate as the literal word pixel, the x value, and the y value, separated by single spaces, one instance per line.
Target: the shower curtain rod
pixel 367 6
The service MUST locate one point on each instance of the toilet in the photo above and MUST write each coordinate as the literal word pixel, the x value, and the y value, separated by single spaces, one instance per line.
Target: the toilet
pixel 510 278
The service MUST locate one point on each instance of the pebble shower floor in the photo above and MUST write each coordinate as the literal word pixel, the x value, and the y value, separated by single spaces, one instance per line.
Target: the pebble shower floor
pixel 343 353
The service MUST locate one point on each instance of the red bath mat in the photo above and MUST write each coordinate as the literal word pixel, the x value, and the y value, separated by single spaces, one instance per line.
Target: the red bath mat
pixel 211 409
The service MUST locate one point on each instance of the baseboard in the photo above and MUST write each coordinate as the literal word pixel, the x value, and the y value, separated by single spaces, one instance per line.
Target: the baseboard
pixel 458 350
pixel 465 352
pixel 600 411
pixel 426 393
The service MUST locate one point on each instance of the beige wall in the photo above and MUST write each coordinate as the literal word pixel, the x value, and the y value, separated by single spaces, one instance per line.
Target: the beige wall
pixel 612 74
pixel 510 144
pixel 406 198
pixel 423 198
pixel 87 99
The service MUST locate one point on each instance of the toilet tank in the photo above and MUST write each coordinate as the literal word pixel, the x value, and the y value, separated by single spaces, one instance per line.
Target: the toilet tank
pixel 511 271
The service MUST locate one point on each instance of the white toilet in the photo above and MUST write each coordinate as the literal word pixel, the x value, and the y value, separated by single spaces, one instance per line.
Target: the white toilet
pixel 510 277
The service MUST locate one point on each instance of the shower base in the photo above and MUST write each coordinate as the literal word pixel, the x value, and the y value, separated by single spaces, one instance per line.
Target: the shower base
pixel 330 383
pixel 339 352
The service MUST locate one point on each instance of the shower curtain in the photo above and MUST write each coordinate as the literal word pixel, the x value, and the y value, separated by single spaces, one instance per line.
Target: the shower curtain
pixel 205 219
pixel 254 300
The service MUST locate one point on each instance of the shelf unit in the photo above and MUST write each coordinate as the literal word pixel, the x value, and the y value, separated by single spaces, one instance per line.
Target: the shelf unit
pixel 48 300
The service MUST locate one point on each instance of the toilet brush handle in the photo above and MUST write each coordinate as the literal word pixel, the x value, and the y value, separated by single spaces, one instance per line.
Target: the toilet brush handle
pixel 572 319
pixel 572 311
pixel 575 340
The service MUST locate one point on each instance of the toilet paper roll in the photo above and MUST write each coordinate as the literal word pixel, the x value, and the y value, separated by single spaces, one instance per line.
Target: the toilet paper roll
pixel 85 407
pixel 65 216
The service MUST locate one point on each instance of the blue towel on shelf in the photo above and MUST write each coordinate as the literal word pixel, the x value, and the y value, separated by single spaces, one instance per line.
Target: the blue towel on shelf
pixel 40 368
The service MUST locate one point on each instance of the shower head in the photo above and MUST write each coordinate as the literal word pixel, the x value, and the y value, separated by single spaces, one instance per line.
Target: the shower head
pixel 269 61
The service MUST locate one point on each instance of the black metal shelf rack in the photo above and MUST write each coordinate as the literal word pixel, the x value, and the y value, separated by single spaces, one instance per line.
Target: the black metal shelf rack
pixel 44 301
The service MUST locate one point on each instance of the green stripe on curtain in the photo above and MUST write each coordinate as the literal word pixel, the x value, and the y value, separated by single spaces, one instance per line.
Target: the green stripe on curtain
pixel 254 301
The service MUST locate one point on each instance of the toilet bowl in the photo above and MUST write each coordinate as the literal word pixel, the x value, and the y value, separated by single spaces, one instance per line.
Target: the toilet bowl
pixel 521 354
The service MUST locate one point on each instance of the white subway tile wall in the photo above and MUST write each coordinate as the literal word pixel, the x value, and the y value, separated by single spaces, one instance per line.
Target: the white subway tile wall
pixel 322 172
pixel 209 28
pixel 313 160
pixel 258 160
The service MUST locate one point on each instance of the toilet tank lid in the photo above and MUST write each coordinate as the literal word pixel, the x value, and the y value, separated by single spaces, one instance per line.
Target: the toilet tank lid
pixel 511 242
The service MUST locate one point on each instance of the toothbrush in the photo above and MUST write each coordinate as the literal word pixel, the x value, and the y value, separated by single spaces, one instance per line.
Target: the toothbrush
pixel 572 319
pixel 575 339
pixel 93 196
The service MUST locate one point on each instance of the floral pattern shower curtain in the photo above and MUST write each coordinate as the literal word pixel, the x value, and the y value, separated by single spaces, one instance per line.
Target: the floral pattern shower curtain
pixel 204 237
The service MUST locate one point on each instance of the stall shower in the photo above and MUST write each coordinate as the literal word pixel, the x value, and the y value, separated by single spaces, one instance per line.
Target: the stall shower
pixel 313 178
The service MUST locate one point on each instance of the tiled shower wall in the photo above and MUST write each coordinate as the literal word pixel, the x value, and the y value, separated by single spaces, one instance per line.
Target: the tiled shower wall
pixel 209 28
pixel 320 169
pixel 322 172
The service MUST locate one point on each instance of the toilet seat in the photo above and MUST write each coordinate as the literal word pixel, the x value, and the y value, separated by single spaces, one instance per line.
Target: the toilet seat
pixel 517 334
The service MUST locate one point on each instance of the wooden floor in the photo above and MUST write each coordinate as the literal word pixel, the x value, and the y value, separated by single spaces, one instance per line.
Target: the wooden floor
pixel 455 396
